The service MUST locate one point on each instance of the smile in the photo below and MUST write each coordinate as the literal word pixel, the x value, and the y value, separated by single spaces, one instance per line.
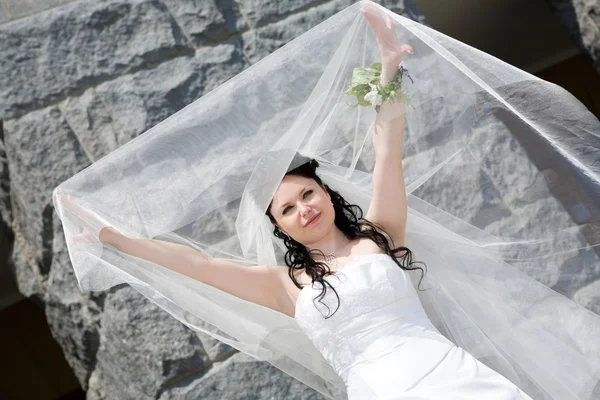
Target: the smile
pixel 313 220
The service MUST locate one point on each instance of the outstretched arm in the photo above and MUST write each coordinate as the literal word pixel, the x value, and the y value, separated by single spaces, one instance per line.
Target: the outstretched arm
pixel 258 284
pixel 388 206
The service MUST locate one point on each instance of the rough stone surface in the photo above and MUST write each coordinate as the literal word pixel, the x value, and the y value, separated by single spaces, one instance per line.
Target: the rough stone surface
pixel 261 12
pixel 53 54
pixel 92 123
pixel 242 377
pixel 22 8
pixel 4 15
pixel 264 40
pixel 139 101
pixel 143 350
pixel 208 21
pixel 589 296
pixel 5 210
pixel 581 18
pixel 30 282
pixel 73 316
pixel 42 152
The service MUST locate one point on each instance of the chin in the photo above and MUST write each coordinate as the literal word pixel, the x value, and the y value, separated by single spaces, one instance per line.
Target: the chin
pixel 320 230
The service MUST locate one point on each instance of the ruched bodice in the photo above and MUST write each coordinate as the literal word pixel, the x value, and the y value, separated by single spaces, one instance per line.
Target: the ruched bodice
pixel 381 342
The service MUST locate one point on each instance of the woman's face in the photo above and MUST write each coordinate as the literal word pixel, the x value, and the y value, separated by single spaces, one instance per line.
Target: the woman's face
pixel 302 209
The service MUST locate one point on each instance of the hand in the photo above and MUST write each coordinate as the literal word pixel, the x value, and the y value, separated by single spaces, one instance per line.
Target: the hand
pixel 390 49
pixel 93 230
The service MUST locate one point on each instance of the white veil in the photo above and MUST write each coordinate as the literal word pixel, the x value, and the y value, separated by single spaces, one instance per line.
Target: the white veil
pixel 502 175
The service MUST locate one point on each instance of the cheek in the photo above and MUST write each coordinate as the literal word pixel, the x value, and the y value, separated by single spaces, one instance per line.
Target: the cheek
pixel 289 223
pixel 322 202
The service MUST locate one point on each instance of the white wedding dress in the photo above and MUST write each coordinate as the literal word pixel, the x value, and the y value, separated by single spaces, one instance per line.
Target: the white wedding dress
pixel 383 345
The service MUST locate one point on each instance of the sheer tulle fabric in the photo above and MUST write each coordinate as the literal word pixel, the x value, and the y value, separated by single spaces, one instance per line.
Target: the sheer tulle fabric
pixel 501 170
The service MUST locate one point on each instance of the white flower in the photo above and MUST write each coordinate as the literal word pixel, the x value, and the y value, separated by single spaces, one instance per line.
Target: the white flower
pixel 373 96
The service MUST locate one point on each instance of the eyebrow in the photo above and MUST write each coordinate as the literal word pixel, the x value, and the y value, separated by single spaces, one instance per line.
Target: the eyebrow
pixel 304 189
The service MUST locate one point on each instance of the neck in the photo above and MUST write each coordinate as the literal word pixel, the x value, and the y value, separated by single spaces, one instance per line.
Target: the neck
pixel 332 242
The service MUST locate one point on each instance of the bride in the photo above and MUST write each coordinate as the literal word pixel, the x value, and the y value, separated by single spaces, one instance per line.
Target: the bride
pixel 346 282
pixel 306 213
pixel 324 234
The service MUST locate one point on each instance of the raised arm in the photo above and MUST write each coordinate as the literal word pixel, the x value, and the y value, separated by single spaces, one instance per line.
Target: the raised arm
pixel 388 206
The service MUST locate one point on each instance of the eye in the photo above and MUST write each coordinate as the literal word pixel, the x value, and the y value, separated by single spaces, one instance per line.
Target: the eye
pixel 285 210
pixel 307 193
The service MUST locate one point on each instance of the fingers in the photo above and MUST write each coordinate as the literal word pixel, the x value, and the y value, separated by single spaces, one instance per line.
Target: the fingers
pixel 382 26
pixel 84 237
pixel 406 48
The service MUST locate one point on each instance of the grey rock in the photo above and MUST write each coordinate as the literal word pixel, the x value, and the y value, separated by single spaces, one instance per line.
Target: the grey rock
pixel 215 349
pixel 516 199
pixel 261 12
pixel 73 316
pixel 92 124
pixel 589 296
pixel 4 16
pixel 262 41
pixel 5 210
pixel 51 55
pixel 143 350
pixel 30 281
pixel 20 8
pixel 139 101
pixel 207 21
pixel 581 19
pixel 265 39
pixel 41 153
pixel 242 378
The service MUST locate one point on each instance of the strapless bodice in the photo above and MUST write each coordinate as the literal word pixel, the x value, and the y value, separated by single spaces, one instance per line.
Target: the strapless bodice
pixel 381 342
pixel 377 299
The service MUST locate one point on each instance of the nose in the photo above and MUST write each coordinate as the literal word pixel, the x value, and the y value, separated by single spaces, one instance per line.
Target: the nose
pixel 305 210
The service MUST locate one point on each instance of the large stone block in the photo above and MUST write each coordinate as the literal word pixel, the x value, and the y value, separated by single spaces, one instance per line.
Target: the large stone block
pixel 51 55
pixel 589 297
pixel 73 316
pixel 143 350
pixel 5 211
pixel 261 12
pixel 92 124
pixel 207 21
pixel 263 40
pixel 42 152
pixel 21 8
pixel 242 377
pixel 139 101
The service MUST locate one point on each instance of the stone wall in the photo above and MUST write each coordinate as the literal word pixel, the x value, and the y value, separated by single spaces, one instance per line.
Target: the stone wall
pixel 79 79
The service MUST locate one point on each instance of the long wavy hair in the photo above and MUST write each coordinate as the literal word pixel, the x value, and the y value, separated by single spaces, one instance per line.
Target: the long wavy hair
pixel 349 219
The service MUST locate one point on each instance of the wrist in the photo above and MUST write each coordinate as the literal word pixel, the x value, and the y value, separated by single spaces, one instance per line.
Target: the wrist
pixel 109 235
pixel 387 75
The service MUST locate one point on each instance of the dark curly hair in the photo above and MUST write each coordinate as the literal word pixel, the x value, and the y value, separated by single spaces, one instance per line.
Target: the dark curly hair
pixel 349 219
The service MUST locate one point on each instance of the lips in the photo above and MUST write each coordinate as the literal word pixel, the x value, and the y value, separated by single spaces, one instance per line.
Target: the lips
pixel 312 220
